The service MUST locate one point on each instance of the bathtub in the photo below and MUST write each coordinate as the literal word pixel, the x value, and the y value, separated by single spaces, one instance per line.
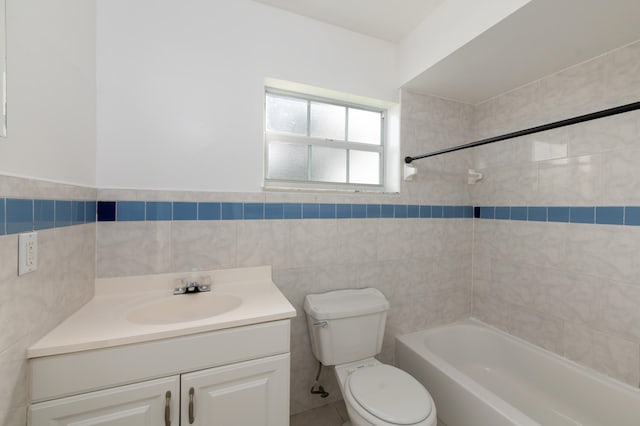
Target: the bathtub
pixel 480 376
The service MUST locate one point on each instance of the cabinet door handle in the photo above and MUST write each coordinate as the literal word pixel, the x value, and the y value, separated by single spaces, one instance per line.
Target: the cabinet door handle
pixel 192 417
pixel 167 409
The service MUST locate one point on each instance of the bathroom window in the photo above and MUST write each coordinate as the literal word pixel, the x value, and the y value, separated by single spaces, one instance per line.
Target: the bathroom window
pixel 324 144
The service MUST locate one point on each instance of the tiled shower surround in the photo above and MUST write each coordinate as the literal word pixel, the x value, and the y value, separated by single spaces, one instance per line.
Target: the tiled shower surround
pixel 33 304
pixel 568 286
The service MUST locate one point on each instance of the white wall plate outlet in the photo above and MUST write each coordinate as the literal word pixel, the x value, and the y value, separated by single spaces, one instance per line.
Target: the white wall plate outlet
pixel 27 252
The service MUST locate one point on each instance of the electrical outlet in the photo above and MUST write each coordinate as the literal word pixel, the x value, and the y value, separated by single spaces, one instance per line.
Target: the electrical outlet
pixel 27 253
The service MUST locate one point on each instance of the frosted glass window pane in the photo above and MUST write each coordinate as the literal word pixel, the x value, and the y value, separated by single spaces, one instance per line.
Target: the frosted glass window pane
pixel 327 121
pixel 364 126
pixel 328 164
pixel 364 167
pixel 287 161
pixel 288 115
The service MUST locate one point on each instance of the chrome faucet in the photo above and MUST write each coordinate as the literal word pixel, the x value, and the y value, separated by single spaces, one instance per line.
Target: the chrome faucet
pixel 191 285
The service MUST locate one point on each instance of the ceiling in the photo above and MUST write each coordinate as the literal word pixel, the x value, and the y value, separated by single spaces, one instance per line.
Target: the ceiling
pixel 541 38
pixel 389 20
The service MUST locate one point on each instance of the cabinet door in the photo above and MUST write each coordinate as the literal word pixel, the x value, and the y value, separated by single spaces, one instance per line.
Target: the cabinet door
pixel 140 404
pixel 252 393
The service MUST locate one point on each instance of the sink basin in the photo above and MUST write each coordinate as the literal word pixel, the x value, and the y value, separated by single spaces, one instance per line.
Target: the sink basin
pixel 183 308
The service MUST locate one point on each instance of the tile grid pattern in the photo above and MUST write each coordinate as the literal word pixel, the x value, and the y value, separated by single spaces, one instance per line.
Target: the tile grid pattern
pixel 23 215
pixel 26 214
pixel 33 304
pixel 562 277
pixel 599 215
pixel 131 211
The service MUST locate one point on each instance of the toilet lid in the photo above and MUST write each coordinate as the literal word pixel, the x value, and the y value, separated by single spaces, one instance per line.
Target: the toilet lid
pixel 390 394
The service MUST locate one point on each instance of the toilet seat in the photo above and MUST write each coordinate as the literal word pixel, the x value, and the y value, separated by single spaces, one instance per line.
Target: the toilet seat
pixel 386 395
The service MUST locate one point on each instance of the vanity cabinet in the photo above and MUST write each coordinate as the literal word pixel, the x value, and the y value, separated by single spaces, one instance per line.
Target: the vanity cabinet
pixel 140 404
pixel 246 382
pixel 252 393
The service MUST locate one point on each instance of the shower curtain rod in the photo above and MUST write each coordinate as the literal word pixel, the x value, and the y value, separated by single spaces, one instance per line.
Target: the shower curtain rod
pixel 569 121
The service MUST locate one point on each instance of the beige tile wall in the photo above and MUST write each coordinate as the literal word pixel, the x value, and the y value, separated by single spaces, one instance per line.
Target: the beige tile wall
pixel 425 287
pixel 429 124
pixel 571 288
pixel 33 304
pixel 422 265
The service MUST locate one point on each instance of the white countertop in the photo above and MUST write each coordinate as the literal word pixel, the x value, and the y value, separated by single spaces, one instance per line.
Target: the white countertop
pixel 103 322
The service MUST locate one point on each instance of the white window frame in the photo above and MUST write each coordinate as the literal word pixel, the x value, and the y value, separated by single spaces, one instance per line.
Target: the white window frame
pixel 307 140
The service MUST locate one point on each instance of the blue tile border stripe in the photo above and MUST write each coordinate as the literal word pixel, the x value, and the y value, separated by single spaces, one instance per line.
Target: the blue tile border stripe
pixel 582 214
pixel 18 215
pixel 359 211
pixel 184 210
pixel 158 210
pixel 110 211
pixel 28 214
pixel 206 211
pixel 593 215
pixel 610 215
pixel 43 214
pixel 558 214
pixel 632 216
pixel 130 211
pixel 2 221
pixel 24 215
pixel 327 211
pixel 604 215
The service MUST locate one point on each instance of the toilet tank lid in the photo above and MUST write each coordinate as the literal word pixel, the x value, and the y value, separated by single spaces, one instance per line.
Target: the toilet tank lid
pixel 345 303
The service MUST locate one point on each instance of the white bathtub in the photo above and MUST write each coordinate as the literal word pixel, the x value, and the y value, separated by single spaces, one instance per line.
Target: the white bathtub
pixel 480 376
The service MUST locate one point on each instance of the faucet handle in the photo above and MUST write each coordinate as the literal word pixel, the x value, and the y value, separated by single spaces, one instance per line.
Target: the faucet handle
pixel 193 285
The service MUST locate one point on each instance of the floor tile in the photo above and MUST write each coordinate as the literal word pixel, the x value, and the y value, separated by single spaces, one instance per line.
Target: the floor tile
pixel 327 415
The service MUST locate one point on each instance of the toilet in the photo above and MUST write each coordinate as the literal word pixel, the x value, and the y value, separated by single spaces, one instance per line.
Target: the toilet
pixel 346 329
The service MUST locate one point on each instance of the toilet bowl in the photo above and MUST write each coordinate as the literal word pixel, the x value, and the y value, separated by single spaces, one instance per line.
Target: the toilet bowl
pixel 346 329
pixel 378 394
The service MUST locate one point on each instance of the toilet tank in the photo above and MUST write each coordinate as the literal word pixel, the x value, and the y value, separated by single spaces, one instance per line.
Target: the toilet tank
pixel 346 325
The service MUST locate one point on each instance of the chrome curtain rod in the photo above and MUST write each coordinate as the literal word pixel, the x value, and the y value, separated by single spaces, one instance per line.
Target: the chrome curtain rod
pixel 542 128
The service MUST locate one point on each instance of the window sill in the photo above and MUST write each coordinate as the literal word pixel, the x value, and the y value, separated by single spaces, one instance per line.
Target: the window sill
pixel 288 187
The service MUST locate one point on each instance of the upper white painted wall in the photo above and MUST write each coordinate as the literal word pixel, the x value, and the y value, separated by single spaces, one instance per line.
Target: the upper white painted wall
pixel 51 91
pixel 180 86
pixel 450 26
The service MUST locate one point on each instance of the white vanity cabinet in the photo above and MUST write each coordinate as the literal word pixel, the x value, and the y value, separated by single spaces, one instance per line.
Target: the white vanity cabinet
pixel 250 393
pixel 137 355
pixel 233 377
pixel 154 402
